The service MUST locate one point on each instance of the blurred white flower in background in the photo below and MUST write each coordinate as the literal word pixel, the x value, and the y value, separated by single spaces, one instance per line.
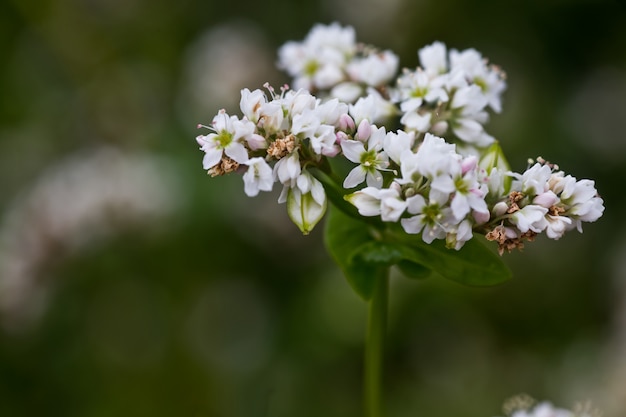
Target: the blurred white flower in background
pixel 218 64
pixel 77 202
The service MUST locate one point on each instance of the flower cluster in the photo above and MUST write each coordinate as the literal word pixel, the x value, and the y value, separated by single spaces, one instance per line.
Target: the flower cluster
pixel 528 408
pixel 438 188
pixel 330 61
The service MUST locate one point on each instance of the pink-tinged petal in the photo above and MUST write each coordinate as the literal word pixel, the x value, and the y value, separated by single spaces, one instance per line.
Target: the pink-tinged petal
pixel 211 158
pixel 256 141
pixel 547 199
pixel 364 130
pixel 480 217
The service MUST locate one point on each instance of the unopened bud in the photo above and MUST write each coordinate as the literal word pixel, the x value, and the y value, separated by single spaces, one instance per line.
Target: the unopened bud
pixel 494 158
pixel 363 131
pixel 499 209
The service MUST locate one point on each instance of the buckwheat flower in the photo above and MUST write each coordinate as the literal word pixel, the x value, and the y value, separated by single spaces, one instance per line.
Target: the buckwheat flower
pixel 373 107
pixel 530 217
pixel 297 101
pixel 458 235
pixel 271 117
pixel 556 225
pixel 433 158
pixel 417 87
pixel 534 180
pixel 319 61
pixel 433 59
pixel 258 177
pixel 343 39
pixel 468 195
pixel 367 201
pixel 323 141
pixel 347 92
pixel 414 89
pixel 228 132
pixel 370 160
pixel 331 111
pixel 392 205
pixel 489 78
pixel 432 218
pixel 397 143
pixel 544 409
pixel 468 105
pixel 375 70
pixel 251 102
pixel 288 169
pixel 579 199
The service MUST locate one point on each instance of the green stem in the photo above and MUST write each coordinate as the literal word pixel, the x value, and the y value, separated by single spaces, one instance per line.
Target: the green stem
pixel 374 346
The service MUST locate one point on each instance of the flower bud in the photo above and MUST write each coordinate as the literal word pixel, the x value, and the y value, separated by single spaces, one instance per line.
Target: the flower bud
pixel 547 199
pixel 306 208
pixel 499 209
pixel 363 131
pixel 346 123
pixel 494 158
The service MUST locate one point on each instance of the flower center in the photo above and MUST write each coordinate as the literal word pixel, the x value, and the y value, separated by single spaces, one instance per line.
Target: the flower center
pixel 224 138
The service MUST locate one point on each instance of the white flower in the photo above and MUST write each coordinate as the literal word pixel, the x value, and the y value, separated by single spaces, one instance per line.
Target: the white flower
pixel 415 89
pixel 458 235
pixel 331 111
pixel 530 217
pixel 373 107
pixel 534 180
pixel 392 206
pixel 319 61
pixel 347 92
pixel 258 177
pixel 556 226
pixel 251 102
pixel 433 59
pixel 370 160
pixel 544 409
pixel 435 157
pixel 374 70
pixel 467 193
pixel 396 143
pixel 228 132
pixel 431 218
pixel 367 201
pixel 469 103
pixel 475 69
pixel 271 117
pixel 288 169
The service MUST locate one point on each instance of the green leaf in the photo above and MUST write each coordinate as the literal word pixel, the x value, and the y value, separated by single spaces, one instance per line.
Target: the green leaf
pixel 345 238
pixel 364 253
pixel 413 270
pixel 473 265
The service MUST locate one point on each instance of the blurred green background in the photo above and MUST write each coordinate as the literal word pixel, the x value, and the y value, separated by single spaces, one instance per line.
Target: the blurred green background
pixel 131 284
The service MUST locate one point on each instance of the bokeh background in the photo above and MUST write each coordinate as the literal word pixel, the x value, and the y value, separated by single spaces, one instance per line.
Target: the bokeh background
pixel 131 284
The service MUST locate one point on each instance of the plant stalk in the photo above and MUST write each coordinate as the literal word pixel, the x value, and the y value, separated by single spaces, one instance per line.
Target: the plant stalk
pixel 374 346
